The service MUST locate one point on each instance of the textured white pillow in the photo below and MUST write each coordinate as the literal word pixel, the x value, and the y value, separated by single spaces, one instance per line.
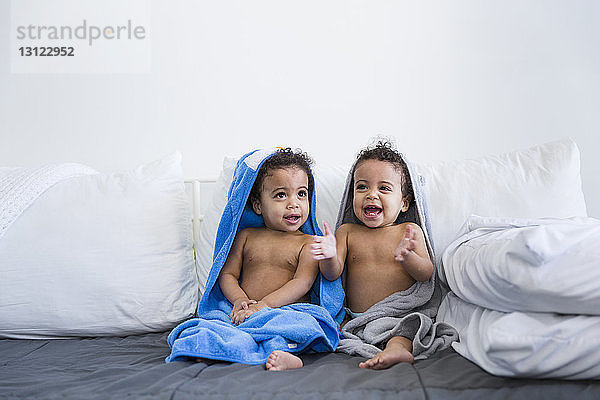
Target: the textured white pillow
pixel 536 345
pixel 101 255
pixel 542 181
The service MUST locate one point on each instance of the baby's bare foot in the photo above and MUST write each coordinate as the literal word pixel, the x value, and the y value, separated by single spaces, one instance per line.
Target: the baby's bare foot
pixel 280 361
pixel 390 356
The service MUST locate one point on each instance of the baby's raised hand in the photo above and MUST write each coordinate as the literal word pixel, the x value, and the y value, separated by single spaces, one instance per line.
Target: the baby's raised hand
pixel 240 305
pixel 407 246
pixel 324 246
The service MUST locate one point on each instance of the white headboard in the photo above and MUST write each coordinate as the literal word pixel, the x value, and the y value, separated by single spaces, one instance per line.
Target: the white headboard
pixel 200 193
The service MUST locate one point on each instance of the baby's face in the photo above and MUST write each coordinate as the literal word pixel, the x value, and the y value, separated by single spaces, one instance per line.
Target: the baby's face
pixel 378 193
pixel 284 203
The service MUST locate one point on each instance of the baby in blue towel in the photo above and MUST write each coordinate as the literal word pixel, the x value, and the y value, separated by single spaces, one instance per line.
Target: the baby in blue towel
pixel 381 256
pixel 272 266
pixel 255 307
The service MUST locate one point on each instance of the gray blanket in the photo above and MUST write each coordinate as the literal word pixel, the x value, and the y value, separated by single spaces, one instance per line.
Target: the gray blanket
pixel 409 313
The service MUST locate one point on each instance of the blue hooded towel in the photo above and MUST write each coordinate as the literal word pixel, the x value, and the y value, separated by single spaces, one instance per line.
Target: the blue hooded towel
pixel 292 328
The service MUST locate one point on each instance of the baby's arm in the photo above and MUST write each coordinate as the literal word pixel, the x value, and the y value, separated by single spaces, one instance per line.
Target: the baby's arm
pixel 294 289
pixel 230 275
pixel 412 253
pixel 330 251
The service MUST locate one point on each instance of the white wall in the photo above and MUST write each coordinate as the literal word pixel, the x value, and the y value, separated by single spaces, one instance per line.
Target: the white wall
pixel 448 79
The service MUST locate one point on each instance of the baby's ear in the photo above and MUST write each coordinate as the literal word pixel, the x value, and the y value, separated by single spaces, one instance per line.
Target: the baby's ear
pixel 405 204
pixel 256 206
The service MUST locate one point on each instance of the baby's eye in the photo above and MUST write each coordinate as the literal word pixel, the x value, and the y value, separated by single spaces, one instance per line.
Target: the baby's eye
pixel 280 195
pixel 361 186
pixel 302 193
pixel 385 188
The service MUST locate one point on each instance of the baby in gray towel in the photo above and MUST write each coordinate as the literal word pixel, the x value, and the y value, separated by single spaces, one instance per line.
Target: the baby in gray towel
pixel 381 256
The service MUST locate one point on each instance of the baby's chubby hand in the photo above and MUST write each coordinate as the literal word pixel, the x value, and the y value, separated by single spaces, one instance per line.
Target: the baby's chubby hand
pixel 243 314
pixel 240 305
pixel 324 246
pixel 407 246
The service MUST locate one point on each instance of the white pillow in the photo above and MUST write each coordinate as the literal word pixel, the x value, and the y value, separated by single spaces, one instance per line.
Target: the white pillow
pixel 330 182
pixel 101 255
pixel 542 181
pixel 535 345
pixel 212 216
pixel 542 265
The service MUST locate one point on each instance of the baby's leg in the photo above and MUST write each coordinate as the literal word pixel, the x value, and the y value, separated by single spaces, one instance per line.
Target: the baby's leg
pixel 397 350
pixel 281 360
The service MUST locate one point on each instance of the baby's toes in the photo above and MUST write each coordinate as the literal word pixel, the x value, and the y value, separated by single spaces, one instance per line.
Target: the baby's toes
pixel 270 362
pixel 378 364
pixel 273 357
pixel 366 364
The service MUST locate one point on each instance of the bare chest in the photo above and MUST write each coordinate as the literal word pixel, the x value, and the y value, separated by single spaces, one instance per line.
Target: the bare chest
pixel 372 273
pixel 366 247
pixel 273 254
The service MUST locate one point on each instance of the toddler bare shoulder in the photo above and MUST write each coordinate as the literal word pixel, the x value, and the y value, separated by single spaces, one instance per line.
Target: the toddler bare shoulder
pixel 249 233
pixel 349 228
pixel 411 224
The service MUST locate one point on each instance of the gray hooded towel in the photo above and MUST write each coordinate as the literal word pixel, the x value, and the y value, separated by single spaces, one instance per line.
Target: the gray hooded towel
pixel 409 313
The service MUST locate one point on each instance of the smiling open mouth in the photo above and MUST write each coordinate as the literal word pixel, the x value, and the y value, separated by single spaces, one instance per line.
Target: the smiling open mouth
pixel 292 219
pixel 372 211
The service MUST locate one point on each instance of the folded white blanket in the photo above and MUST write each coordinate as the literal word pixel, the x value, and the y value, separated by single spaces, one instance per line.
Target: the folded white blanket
pixel 507 264
pixel 20 187
pixel 536 345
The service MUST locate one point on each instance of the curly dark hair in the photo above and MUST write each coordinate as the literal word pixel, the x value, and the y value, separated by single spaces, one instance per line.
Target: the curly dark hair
pixel 282 159
pixel 383 150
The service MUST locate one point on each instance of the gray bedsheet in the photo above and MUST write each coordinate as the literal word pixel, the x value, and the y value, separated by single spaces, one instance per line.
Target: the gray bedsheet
pixel 133 367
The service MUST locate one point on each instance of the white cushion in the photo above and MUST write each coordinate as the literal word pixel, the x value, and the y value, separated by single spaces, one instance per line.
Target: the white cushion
pixel 542 181
pixel 536 345
pixel 101 255
pixel 509 264
pixel 329 181
pixel 212 216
